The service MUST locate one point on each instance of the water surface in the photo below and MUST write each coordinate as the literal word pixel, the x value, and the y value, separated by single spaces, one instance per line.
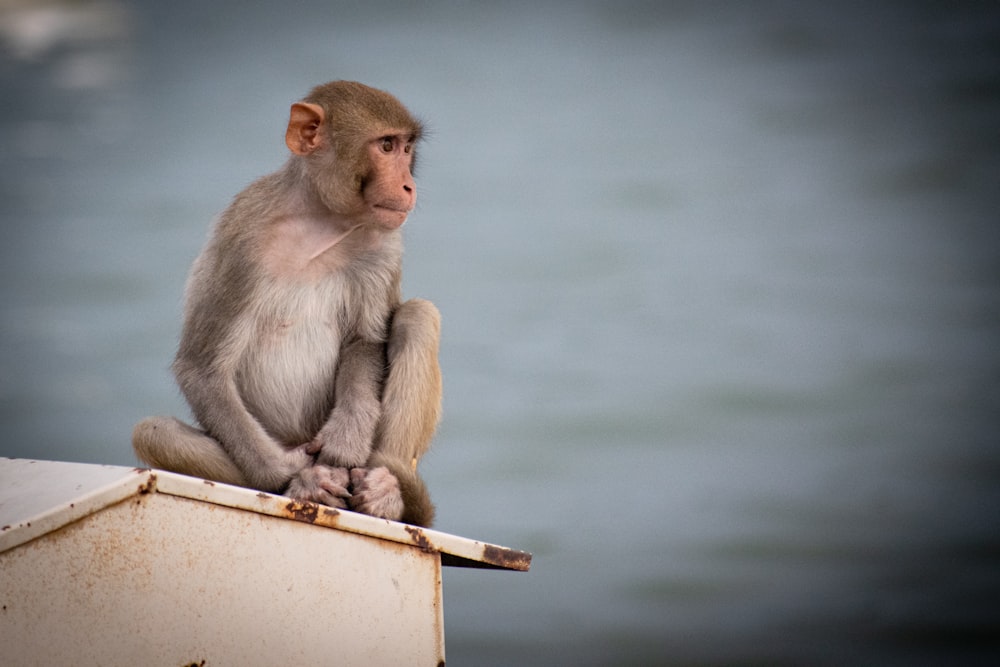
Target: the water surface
pixel 720 287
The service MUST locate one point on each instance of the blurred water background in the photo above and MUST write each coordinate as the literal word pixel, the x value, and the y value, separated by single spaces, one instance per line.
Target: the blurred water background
pixel 720 285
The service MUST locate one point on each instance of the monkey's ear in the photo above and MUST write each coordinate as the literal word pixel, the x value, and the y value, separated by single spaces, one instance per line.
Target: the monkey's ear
pixel 303 135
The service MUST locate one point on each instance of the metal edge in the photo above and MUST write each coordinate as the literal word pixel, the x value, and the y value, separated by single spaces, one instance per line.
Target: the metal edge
pixel 135 481
pixel 454 550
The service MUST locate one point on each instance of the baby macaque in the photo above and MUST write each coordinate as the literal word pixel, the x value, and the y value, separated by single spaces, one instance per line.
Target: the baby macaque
pixel 307 374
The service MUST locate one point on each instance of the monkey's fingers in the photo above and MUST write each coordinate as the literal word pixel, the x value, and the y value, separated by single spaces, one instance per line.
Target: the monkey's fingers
pixel 331 500
pixel 376 492
pixel 335 489
pixel 313 447
pixel 358 478
pixel 321 484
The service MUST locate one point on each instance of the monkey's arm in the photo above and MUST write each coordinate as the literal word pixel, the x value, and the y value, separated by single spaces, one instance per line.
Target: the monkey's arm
pixel 219 329
pixel 411 409
pixel 345 441
pixel 216 403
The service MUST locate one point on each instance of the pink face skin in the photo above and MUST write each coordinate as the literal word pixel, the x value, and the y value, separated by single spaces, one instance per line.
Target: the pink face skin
pixel 392 192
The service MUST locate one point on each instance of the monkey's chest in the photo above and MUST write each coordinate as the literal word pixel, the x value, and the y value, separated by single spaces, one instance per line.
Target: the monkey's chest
pixel 296 352
pixel 287 381
pixel 288 370
pixel 287 373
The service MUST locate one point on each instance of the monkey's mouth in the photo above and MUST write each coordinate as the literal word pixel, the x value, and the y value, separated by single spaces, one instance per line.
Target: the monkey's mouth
pixel 393 209
pixel 390 217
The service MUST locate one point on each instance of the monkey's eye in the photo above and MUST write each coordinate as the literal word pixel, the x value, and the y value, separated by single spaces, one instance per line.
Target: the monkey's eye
pixel 387 145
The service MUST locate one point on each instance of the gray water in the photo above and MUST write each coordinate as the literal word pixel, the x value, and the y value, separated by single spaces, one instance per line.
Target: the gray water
pixel 720 285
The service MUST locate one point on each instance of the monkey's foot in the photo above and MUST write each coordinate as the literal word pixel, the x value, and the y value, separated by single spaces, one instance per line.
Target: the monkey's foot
pixel 321 484
pixel 376 492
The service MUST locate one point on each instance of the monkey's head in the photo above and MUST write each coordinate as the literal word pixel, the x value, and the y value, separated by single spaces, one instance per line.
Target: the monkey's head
pixel 359 148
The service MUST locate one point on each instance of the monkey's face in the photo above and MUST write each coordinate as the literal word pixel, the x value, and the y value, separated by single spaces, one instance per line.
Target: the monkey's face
pixel 387 188
pixel 359 145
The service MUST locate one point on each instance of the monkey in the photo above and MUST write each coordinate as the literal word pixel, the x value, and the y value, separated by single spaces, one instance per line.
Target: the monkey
pixel 305 371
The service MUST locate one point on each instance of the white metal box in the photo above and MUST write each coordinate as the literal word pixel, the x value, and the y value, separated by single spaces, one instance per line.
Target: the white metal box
pixel 105 565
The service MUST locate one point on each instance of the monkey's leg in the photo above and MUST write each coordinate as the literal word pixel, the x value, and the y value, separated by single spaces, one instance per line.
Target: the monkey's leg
pixel 345 441
pixel 411 409
pixel 170 444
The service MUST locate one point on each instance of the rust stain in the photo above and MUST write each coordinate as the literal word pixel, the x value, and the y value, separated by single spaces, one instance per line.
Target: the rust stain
pixel 5 528
pixel 420 539
pixel 331 513
pixel 262 495
pixel 148 486
pixel 508 558
pixel 208 482
pixel 302 510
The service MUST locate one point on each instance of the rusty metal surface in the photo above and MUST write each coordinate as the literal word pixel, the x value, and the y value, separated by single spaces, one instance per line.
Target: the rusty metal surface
pixel 70 491
pixel 454 550
pixel 161 579
pixel 492 558
pixel 114 565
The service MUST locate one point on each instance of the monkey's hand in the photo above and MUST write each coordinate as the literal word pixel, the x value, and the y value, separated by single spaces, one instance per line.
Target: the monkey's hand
pixel 293 461
pixel 321 484
pixel 376 492
pixel 345 441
